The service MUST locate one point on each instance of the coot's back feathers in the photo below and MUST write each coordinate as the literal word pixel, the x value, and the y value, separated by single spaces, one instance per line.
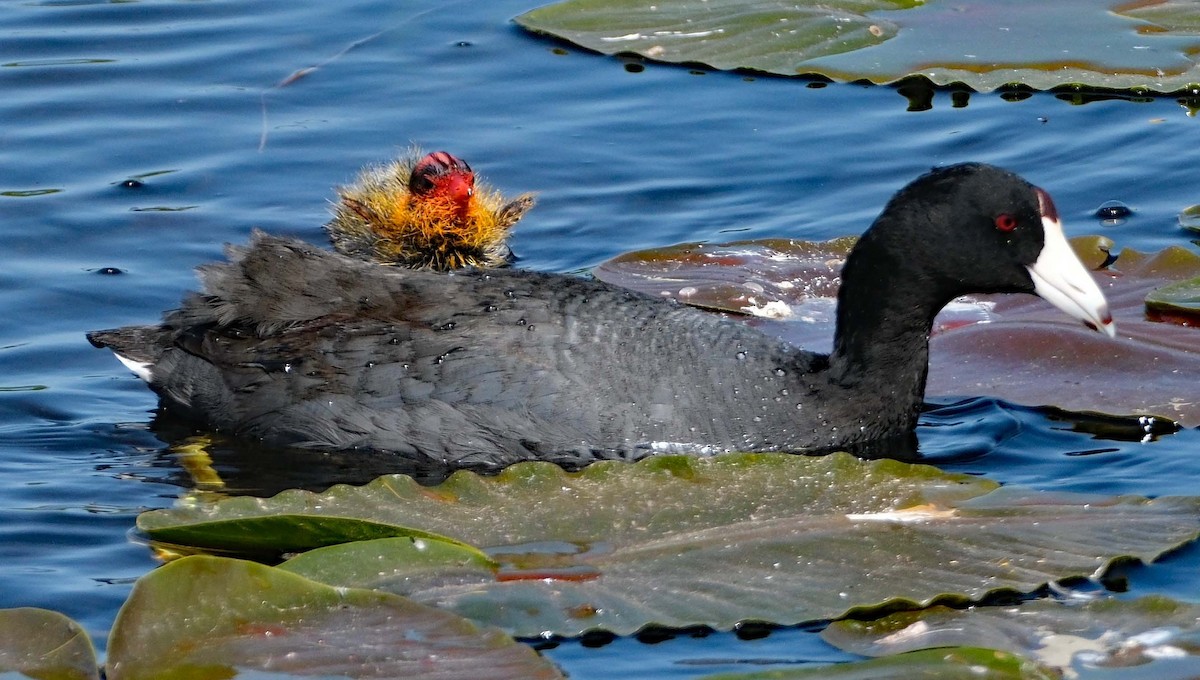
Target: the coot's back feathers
pixel 302 347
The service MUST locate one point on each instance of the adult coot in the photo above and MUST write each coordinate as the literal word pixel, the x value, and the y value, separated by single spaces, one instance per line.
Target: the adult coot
pixel 298 346
pixel 425 212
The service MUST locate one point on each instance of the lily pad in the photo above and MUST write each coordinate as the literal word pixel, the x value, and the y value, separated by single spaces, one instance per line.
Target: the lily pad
pixel 934 664
pixel 1103 633
pixel 682 541
pixel 47 645
pixel 1178 300
pixel 1030 353
pixel 1016 347
pixel 765 36
pixel 266 537
pixel 770 278
pixel 370 562
pixel 985 44
pixel 210 617
pixel 1189 218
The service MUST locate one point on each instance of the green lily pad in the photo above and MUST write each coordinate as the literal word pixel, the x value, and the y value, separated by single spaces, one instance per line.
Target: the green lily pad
pixel 211 617
pixel 1016 347
pixel 985 44
pixel 1189 218
pixel 46 645
pixel 1104 633
pixel 765 36
pixel 681 541
pixel 1180 299
pixel 266 537
pixel 415 560
pixel 933 664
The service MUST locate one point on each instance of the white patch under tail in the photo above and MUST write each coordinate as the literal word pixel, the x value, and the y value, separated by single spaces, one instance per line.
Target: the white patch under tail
pixel 140 368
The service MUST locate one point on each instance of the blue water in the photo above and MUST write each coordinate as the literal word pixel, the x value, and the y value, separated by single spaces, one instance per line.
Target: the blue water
pixel 208 106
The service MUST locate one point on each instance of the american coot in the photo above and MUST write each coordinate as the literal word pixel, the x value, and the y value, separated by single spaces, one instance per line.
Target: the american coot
pixel 425 212
pixel 298 346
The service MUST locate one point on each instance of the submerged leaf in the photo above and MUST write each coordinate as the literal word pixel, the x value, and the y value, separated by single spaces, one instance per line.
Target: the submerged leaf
pixel 1101 633
pixel 47 645
pixel 985 44
pixel 210 617
pixel 681 541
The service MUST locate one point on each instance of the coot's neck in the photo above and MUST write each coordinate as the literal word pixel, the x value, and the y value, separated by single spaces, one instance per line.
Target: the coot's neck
pixel 886 307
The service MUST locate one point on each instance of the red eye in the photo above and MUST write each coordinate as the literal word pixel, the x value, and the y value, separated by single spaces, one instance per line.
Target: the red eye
pixel 1006 222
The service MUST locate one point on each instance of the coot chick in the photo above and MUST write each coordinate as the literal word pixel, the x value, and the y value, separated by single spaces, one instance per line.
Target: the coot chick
pixel 425 212
pixel 297 346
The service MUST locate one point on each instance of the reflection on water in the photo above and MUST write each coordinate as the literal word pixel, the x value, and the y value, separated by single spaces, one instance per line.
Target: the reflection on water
pixel 198 459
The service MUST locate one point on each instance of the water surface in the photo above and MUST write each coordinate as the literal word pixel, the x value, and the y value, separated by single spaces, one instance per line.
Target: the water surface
pixel 138 137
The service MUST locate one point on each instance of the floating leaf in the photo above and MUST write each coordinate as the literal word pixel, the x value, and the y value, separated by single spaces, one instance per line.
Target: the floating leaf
pixel 1179 300
pixel 774 278
pixel 1016 347
pixel 210 617
pixel 391 565
pixel 44 644
pixel 417 559
pixel 1189 218
pixel 524 503
pixel 727 35
pixel 934 664
pixel 983 43
pixel 270 535
pixel 1032 354
pixel 682 541
pixel 1106 633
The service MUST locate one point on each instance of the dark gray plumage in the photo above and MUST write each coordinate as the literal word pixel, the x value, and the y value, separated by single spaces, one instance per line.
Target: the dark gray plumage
pixel 298 346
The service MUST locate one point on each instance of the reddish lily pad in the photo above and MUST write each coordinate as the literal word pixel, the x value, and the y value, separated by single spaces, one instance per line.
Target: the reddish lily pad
pixel 210 617
pixel 1032 354
pixel 1016 347
pixel 985 44
pixel 772 278
pixel 37 643
pixel 681 541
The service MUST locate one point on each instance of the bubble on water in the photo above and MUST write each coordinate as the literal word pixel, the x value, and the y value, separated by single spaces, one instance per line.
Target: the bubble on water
pixel 1113 213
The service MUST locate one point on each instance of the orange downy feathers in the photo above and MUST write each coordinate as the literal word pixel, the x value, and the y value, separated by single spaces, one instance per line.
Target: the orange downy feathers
pixel 425 212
